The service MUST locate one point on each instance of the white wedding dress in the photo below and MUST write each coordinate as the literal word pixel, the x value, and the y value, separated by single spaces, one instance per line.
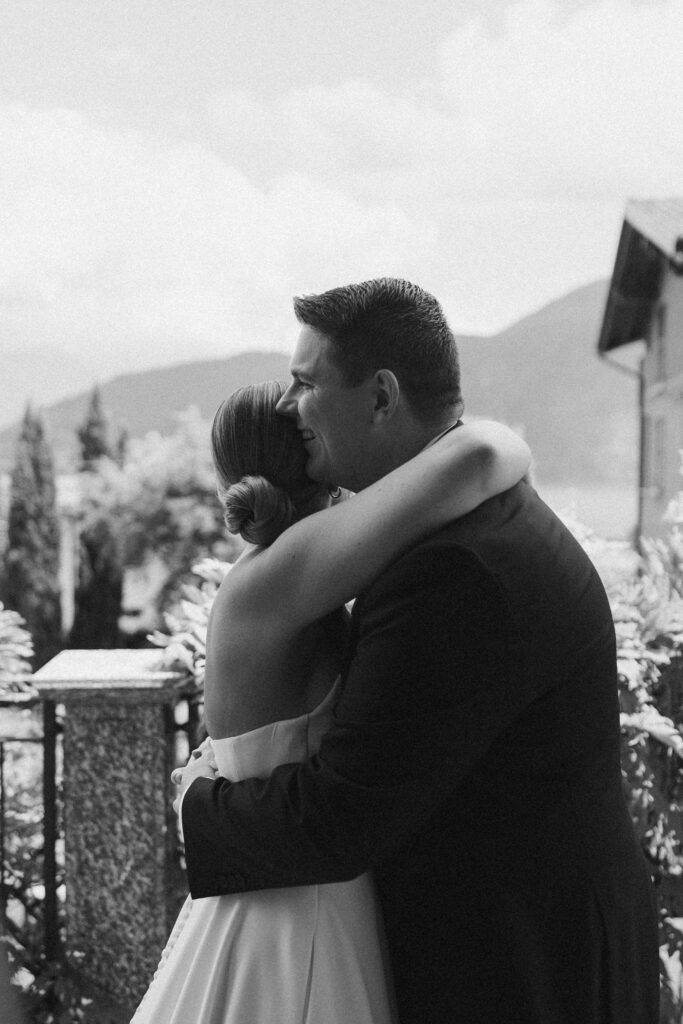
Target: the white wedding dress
pixel 310 954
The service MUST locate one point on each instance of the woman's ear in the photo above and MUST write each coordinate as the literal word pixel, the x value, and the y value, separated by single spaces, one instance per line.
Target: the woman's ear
pixel 386 395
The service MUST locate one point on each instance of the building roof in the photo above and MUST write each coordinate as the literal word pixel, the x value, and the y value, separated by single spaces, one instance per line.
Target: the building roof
pixel 661 222
pixel 651 240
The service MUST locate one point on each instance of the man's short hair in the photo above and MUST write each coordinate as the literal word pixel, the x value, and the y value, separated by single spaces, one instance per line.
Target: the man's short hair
pixel 390 324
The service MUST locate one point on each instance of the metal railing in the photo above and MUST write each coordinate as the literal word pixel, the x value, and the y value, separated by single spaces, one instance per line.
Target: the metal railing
pixel 44 729
pixel 18 730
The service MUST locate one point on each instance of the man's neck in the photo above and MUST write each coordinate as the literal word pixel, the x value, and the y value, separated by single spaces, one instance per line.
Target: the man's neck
pixel 406 445
pixel 443 433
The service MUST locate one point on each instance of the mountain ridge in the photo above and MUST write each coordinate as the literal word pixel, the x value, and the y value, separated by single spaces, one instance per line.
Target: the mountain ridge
pixel 542 375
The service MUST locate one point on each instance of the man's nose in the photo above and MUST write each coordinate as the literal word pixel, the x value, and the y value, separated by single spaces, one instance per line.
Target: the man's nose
pixel 287 404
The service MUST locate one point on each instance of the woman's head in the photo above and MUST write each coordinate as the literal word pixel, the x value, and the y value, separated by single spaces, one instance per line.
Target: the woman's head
pixel 260 465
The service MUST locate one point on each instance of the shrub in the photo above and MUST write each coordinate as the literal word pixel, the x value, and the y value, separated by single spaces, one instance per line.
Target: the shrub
pixel 185 642
pixel 16 650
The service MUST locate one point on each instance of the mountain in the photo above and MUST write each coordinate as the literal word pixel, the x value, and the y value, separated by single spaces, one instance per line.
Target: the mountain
pixel 38 374
pixel 542 376
pixel 150 400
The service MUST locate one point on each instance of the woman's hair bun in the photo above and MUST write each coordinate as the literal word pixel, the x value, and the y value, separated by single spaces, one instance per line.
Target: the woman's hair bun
pixel 257 510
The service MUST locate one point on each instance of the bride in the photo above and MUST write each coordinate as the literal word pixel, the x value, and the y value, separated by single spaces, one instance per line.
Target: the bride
pixel 275 647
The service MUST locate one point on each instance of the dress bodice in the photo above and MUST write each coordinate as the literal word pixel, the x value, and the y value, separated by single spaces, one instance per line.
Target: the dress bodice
pixel 296 955
pixel 256 753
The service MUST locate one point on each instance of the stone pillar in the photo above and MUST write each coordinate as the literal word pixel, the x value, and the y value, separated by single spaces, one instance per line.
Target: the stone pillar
pixel 124 883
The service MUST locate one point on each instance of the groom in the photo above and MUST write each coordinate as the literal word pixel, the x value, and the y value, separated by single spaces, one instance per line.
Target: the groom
pixel 473 763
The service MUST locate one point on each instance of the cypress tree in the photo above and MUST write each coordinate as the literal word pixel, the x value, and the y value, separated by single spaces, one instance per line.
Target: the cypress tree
pixel 100 587
pixel 100 575
pixel 92 433
pixel 121 448
pixel 31 560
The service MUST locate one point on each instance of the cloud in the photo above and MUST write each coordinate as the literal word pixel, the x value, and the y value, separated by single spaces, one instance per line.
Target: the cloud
pixel 127 58
pixel 498 182
pixel 586 105
pixel 354 129
pixel 154 249
pixel 577 100
pixel 517 155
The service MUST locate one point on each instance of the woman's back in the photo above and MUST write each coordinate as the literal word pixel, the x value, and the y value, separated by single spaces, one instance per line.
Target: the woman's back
pixel 277 633
pixel 257 670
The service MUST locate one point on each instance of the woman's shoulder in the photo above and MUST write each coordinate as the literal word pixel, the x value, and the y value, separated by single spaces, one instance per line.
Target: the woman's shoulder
pixel 239 591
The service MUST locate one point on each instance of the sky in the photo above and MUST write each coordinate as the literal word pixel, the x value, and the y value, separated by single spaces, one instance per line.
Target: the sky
pixel 172 173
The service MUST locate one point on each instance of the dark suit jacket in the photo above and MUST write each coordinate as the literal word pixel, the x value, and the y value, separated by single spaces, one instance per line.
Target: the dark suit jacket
pixel 473 764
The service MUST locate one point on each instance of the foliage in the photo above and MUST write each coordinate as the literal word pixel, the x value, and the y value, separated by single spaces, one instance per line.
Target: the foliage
pixel 49 990
pixel 646 597
pixel 100 586
pixel 31 561
pixel 157 472
pixel 16 648
pixel 54 993
pixel 185 643
pixel 163 502
pixel 49 993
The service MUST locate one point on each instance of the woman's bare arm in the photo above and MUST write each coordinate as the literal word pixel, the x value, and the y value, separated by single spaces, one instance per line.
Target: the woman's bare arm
pixel 327 558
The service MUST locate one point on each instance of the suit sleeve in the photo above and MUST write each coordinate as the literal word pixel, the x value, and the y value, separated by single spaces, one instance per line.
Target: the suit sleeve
pixel 426 693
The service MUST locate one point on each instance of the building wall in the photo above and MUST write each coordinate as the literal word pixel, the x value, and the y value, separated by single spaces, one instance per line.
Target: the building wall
pixel 663 400
pixel 4 508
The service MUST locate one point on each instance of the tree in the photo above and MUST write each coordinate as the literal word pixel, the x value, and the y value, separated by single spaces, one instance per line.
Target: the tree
pixel 162 503
pixel 100 587
pixel 121 449
pixel 92 433
pixel 31 560
pixel 100 572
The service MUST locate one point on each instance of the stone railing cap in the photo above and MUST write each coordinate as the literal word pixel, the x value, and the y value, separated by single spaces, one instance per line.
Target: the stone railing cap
pixel 88 672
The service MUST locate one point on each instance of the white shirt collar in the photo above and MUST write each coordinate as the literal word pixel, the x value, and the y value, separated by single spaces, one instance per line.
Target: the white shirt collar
pixel 442 434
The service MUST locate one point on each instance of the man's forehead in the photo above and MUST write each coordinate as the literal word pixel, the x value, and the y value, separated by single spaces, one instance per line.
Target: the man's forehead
pixel 310 353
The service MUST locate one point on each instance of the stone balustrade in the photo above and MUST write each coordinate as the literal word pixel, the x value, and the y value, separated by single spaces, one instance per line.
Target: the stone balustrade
pixel 124 883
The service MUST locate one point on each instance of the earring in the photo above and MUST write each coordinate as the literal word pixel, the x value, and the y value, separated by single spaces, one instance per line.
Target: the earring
pixel 334 492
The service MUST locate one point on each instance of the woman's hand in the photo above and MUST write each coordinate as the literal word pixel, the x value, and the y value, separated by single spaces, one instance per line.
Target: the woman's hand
pixel 202 764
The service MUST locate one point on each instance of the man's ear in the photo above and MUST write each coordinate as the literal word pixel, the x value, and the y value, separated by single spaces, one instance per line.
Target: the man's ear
pixel 386 395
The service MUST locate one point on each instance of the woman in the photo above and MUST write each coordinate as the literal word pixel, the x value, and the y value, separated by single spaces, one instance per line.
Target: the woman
pixel 310 954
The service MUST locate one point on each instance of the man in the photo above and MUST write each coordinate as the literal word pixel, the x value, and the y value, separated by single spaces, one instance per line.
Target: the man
pixel 473 763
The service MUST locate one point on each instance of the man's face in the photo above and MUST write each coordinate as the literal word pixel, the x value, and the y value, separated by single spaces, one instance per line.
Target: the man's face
pixel 334 419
